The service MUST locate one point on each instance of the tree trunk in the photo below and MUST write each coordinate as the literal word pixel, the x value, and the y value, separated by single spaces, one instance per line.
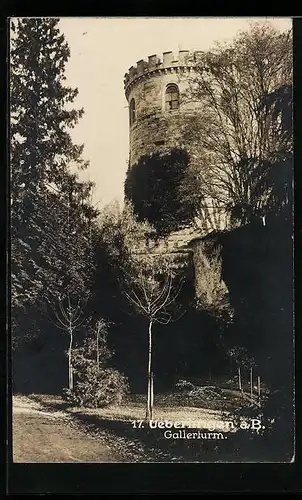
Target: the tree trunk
pixel 70 371
pixel 149 391
pixel 97 349
pixel 152 394
pixel 251 382
pixel 239 379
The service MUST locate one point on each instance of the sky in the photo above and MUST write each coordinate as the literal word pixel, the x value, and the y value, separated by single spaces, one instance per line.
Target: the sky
pixel 102 51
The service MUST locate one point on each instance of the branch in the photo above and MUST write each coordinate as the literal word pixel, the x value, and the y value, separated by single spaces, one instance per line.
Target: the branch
pixel 60 327
pixel 78 323
pixel 137 298
pixel 180 316
pixel 64 314
pixel 165 300
pixel 59 319
pixel 176 294
pixel 137 304
pixel 161 318
pixel 144 289
pixel 164 289
pixel 78 314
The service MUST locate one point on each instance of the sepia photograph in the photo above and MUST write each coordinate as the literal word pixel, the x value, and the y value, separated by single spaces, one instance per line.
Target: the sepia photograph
pixel 151 239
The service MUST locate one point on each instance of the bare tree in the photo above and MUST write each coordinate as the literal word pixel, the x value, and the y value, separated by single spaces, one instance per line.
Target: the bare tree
pixel 153 288
pixel 234 139
pixel 69 317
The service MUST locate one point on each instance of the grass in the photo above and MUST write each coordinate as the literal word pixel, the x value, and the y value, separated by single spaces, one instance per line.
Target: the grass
pixel 209 407
pixel 205 402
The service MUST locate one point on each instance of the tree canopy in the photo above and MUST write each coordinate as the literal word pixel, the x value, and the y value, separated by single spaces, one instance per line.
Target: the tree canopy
pixel 242 137
pixel 158 187
pixel 51 210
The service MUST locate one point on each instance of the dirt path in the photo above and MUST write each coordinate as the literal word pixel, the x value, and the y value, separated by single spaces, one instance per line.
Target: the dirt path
pixel 40 436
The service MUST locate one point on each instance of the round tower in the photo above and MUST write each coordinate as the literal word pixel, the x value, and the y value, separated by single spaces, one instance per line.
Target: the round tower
pixel 154 90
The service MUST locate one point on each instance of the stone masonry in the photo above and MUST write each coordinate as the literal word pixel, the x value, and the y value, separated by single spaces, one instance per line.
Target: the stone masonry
pixel 155 128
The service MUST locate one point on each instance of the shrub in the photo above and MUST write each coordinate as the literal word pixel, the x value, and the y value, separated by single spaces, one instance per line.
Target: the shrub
pixel 69 396
pixel 96 384
pixel 99 387
pixel 184 385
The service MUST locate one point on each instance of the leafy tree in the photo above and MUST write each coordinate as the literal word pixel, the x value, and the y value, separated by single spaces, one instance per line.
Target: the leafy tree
pixel 119 234
pixel 67 261
pixel 158 187
pixel 243 361
pixel 280 175
pixel 122 232
pixel 41 143
pixel 66 251
pixel 236 141
pixel 281 102
pixel 42 154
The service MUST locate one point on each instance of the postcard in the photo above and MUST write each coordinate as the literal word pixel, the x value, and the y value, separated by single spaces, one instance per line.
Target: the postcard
pixel 151 174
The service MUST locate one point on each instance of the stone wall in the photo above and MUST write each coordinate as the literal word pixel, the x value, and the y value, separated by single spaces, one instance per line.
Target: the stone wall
pixel 155 129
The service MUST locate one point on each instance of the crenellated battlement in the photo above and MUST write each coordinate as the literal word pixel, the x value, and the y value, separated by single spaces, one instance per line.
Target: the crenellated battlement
pixel 169 61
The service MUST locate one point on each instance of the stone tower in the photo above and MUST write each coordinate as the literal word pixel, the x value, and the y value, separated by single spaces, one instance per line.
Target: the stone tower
pixel 154 91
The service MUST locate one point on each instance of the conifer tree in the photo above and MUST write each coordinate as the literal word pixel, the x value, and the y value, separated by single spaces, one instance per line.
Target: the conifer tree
pixel 50 208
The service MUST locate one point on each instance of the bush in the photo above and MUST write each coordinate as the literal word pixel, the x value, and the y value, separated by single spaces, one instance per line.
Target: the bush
pixel 69 396
pixel 99 388
pixel 96 384
pixel 184 385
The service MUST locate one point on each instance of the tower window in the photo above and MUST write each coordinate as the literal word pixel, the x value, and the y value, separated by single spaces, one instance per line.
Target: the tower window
pixel 172 97
pixel 132 111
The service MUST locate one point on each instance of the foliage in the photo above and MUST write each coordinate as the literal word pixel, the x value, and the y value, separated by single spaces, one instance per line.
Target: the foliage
pixel 239 140
pixel 98 388
pixel 96 384
pixel 49 255
pixel 184 385
pixel 65 255
pixel 60 250
pixel 121 232
pixel 41 143
pixel 280 102
pixel 241 357
pixel 158 186
pixel 278 420
pixel 280 173
pixel 118 234
pixel 211 291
